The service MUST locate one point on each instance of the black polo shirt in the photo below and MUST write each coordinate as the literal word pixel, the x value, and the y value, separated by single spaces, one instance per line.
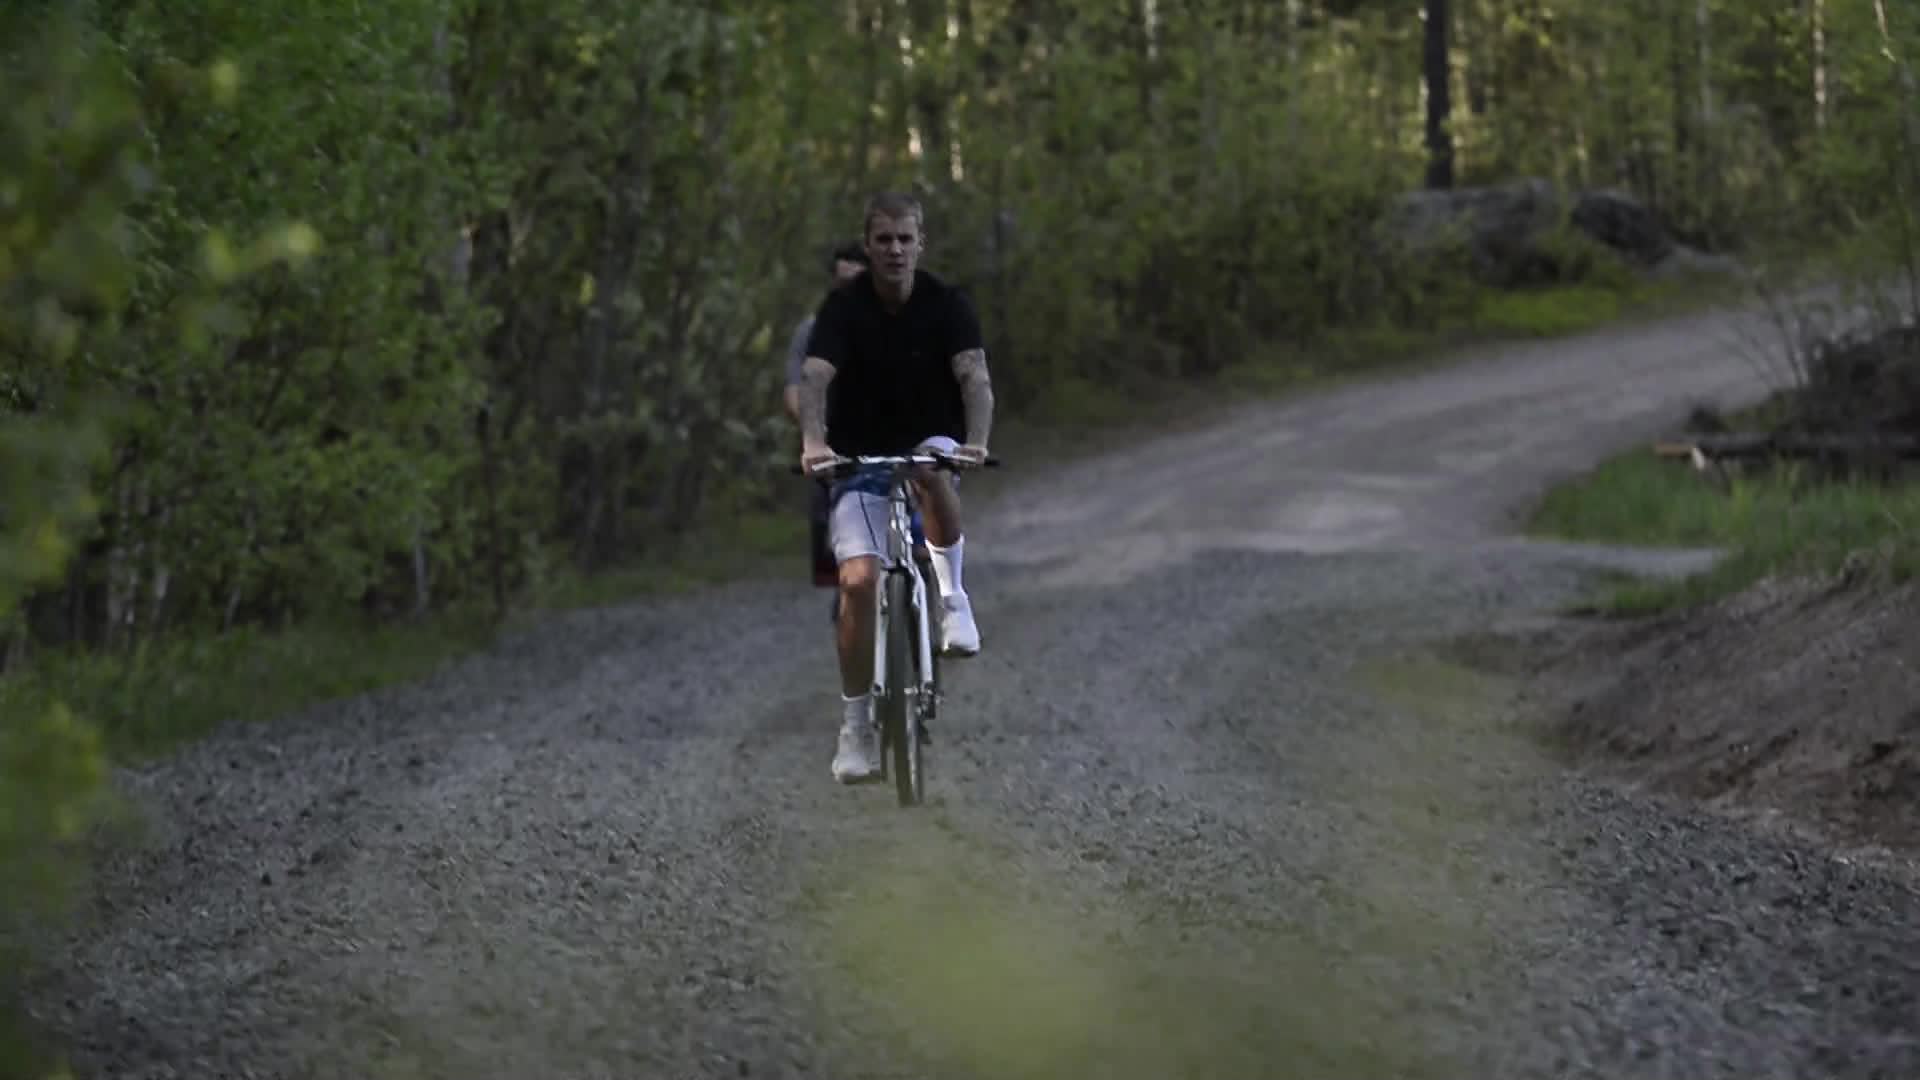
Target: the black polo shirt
pixel 893 384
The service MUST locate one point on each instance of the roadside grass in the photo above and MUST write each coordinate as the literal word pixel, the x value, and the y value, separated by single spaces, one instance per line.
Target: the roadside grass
pixel 177 688
pixel 174 690
pixel 1782 522
pixel 731 545
pixel 1550 312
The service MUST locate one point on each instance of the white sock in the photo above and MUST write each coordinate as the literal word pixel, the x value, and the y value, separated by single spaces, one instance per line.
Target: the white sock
pixel 856 708
pixel 946 567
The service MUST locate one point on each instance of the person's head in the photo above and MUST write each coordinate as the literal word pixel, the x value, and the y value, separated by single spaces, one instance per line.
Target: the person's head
pixel 846 263
pixel 894 237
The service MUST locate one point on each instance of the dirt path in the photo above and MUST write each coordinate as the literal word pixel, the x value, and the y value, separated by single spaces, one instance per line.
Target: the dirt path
pixel 1206 807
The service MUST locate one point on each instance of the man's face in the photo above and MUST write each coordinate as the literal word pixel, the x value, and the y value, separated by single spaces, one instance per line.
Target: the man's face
pixel 845 271
pixel 894 246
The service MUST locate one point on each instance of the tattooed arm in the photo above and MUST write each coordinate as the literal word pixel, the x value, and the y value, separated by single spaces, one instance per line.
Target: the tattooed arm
pixel 815 375
pixel 976 392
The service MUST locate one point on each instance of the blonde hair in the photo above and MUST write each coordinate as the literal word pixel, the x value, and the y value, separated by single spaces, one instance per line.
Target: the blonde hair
pixel 893 204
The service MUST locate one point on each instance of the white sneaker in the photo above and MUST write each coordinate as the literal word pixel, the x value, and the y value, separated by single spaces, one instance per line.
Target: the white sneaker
pixel 958 635
pixel 858 757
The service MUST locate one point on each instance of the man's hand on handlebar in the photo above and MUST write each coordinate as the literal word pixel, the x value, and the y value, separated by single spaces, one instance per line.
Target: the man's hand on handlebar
pixel 814 457
pixel 969 456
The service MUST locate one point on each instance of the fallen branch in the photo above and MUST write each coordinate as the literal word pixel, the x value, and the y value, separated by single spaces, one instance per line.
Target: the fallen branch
pixel 1762 445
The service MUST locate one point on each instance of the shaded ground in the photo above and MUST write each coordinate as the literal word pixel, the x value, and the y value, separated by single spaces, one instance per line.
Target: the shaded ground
pixel 1798 698
pixel 1209 805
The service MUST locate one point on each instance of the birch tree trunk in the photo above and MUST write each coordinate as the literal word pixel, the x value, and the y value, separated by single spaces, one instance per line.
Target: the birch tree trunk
pixel 1820 65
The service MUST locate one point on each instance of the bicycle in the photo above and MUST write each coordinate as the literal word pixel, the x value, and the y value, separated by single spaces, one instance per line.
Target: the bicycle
pixel 906 664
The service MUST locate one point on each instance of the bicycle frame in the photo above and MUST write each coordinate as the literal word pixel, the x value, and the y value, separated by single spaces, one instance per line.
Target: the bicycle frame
pixel 921 690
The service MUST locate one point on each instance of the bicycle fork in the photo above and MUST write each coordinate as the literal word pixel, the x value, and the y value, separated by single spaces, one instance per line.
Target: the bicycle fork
pixel 925 695
pixel 880 629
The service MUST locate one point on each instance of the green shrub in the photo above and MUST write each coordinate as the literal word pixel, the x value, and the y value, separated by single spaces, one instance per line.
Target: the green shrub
pixel 70 169
pixel 1781 522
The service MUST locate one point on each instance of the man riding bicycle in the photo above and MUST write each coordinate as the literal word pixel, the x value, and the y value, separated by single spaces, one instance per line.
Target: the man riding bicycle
pixel 895 364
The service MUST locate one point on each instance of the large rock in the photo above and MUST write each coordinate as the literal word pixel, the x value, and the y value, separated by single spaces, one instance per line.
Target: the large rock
pixel 1515 234
pixel 1624 224
pixel 1500 227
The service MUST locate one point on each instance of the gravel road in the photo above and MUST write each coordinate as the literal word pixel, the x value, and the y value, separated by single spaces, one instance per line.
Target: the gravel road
pixel 1207 806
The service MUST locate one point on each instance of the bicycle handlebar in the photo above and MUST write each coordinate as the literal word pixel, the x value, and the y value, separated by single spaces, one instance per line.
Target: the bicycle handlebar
pixel 847 465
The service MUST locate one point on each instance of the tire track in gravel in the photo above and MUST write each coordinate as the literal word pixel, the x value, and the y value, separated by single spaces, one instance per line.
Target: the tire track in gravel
pixel 1202 810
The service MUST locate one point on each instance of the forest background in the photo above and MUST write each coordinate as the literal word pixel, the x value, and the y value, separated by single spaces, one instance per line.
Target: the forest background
pixel 331 334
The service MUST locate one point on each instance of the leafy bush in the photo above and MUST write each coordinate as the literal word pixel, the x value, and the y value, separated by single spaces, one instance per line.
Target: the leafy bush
pixel 66 168
pixel 70 170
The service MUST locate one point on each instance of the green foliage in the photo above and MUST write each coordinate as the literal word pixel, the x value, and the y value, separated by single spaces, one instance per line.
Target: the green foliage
pixel 552 249
pixel 53 766
pixel 546 253
pixel 321 403
pixel 64 168
pixel 180 688
pixel 72 281
pixel 1780 523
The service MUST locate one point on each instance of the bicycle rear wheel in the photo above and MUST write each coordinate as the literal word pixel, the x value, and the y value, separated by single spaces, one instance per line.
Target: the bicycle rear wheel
pixel 899 728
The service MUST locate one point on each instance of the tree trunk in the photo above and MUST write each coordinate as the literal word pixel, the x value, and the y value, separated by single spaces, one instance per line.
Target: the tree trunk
pixel 863 148
pixel 1910 117
pixel 1001 296
pixel 1439 100
pixel 626 205
pixel 928 26
pixel 1706 165
pixel 123 571
pixel 1149 54
pixel 1675 182
pixel 162 580
pixel 17 649
pixel 1820 65
pixel 1296 22
pixel 1703 31
pixel 422 587
pixel 1908 162
pixel 1474 37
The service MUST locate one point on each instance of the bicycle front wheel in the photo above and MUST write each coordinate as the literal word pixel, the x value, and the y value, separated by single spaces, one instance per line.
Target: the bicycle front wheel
pixel 899 727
